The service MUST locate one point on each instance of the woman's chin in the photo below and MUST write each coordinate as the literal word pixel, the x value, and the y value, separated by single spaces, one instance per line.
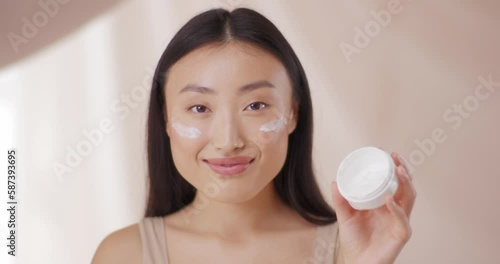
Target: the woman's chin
pixel 232 194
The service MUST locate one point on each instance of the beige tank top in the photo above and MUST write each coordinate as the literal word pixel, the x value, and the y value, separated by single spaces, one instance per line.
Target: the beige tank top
pixel 154 246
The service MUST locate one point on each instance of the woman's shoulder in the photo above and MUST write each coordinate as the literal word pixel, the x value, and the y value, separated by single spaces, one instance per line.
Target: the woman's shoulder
pixel 121 246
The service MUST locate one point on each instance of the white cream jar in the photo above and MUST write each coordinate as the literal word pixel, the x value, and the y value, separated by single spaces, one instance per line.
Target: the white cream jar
pixel 366 176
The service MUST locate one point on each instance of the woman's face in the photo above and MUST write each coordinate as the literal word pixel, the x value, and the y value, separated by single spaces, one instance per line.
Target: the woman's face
pixel 229 114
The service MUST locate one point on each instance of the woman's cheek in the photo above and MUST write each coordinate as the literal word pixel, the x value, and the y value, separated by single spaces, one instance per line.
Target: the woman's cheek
pixel 271 133
pixel 272 139
pixel 186 131
pixel 186 141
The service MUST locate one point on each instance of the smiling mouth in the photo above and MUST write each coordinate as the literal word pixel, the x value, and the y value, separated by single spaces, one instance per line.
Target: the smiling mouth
pixel 230 166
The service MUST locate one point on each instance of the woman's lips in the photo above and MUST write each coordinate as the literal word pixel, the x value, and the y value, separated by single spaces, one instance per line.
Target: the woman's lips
pixel 229 166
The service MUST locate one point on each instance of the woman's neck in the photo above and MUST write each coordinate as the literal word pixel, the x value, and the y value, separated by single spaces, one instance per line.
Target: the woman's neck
pixel 263 212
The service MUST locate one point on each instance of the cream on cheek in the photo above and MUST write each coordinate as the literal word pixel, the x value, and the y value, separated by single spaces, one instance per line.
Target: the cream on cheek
pixel 269 132
pixel 186 131
pixel 274 126
pixel 266 133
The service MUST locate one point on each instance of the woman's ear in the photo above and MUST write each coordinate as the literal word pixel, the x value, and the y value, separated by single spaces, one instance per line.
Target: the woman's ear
pixel 293 117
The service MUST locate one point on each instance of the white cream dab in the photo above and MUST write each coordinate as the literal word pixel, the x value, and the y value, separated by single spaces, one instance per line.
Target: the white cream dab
pixel 274 126
pixel 186 131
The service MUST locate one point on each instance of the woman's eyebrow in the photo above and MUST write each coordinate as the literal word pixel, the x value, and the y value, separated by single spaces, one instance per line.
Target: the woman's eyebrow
pixel 244 89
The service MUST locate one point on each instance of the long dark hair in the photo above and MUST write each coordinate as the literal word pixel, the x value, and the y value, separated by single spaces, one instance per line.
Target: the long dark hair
pixel 295 183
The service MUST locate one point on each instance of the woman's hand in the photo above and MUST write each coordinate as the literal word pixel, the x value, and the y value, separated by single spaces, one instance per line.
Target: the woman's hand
pixel 376 236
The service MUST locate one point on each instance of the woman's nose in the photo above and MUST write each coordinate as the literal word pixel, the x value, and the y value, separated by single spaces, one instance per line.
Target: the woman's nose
pixel 225 133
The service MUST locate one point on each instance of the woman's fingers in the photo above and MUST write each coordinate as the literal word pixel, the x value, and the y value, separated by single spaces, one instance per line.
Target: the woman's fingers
pixel 406 193
pixel 399 214
pixel 398 160
pixel 342 207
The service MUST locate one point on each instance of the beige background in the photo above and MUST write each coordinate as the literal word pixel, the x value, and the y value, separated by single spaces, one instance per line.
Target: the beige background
pixel 394 92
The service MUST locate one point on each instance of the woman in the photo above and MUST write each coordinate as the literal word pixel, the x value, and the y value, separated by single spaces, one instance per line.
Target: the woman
pixel 230 170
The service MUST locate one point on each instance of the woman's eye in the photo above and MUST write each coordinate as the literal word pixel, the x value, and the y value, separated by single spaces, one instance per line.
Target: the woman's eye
pixel 198 109
pixel 256 106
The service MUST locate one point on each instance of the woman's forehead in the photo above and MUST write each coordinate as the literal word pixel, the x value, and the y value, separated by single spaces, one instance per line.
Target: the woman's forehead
pixel 231 65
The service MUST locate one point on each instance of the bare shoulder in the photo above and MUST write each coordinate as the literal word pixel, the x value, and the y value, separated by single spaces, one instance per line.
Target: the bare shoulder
pixel 121 246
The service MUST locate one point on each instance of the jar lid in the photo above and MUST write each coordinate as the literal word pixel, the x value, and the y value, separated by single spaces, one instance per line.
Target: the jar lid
pixel 364 172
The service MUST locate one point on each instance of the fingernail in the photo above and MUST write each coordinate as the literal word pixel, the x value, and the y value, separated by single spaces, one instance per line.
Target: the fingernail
pixel 403 161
